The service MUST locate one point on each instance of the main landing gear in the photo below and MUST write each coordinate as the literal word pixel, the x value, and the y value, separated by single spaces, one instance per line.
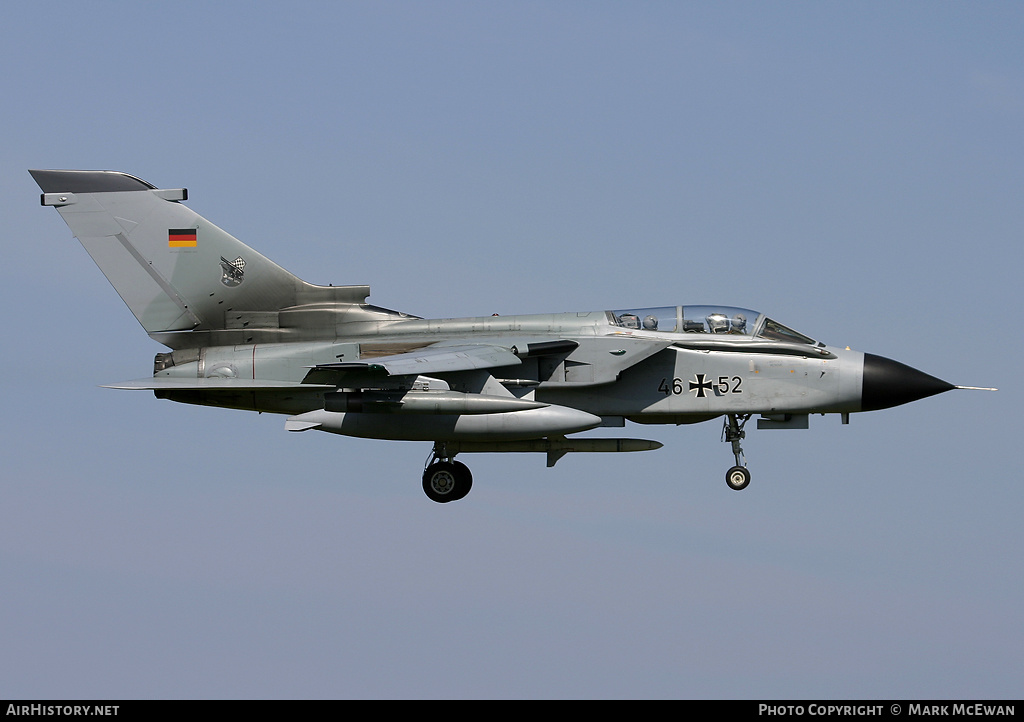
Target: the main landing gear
pixel 738 477
pixel 445 479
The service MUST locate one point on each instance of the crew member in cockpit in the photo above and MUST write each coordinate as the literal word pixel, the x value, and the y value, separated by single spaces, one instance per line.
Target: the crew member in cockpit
pixel 718 323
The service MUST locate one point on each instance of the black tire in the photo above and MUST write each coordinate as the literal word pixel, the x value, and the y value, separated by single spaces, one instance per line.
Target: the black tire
pixel 463 480
pixel 445 481
pixel 738 478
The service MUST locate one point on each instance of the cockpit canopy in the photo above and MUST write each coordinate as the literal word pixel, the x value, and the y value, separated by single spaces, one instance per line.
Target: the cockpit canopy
pixel 727 320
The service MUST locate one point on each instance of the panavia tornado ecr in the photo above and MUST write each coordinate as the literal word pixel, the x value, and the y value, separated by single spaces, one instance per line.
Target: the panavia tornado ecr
pixel 246 334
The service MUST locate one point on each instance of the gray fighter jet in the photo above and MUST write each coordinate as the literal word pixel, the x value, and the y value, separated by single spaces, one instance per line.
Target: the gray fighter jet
pixel 246 334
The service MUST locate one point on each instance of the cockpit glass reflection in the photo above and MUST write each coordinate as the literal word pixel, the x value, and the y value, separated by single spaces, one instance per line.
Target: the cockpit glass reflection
pixel 714 320
pixel 777 332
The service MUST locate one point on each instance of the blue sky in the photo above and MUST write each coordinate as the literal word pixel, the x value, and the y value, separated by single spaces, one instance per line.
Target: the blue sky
pixel 855 170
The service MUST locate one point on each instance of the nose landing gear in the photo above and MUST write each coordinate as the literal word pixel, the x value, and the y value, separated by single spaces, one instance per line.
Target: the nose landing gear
pixel 738 477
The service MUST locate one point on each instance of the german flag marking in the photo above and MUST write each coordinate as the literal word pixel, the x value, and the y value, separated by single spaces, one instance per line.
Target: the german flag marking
pixel 181 238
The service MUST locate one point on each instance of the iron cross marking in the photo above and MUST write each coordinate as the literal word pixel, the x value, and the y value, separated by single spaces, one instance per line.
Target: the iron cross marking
pixel 700 386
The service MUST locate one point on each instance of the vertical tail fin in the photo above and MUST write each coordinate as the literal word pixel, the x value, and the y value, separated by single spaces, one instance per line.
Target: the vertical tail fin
pixel 175 270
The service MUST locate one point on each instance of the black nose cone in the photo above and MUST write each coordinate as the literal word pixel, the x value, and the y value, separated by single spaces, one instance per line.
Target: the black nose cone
pixel 889 383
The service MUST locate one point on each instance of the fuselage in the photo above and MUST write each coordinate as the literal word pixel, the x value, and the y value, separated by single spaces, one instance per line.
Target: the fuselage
pixel 680 377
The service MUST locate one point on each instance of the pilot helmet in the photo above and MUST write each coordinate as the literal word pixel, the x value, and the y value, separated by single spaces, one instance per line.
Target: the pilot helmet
pixel 630 320
pixel 651 323
pixel 739 323
pixel 718 322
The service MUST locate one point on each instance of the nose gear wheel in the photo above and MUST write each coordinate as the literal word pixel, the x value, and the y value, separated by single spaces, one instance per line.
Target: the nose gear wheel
pixel 738 477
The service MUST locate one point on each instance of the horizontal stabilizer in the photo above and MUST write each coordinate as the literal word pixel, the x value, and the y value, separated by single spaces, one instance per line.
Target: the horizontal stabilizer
pixel 210 384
